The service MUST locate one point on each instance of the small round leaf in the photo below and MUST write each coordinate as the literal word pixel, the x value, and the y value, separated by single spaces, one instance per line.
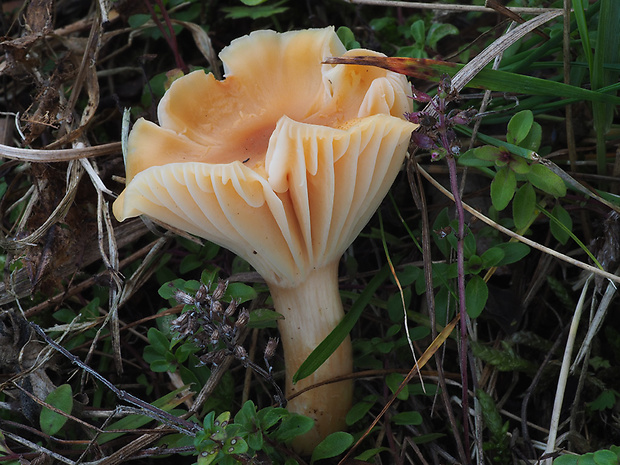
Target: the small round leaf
pixel 546 180
pixel 503 188
pixel 519 126
pixel 524 206
pixel 476 295
pixel 563 226
pixel 333 445
pixel 407 418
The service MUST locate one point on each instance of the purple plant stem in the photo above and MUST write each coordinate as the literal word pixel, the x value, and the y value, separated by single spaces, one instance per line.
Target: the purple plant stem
pixel 167 32
pixel 460 263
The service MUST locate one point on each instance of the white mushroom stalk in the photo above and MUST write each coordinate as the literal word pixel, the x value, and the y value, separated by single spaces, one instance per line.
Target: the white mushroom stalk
pixel 283 162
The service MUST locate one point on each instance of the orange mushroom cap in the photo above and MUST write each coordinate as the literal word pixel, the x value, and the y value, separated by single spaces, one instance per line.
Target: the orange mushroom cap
pixel 283 162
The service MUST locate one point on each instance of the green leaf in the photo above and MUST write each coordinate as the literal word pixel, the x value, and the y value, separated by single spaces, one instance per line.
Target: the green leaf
pixel 255 12
pixel 561 229
pixel 490 414
pixel 358 411
pixel 519 165
pixel 252 2
pixel 503 359
pixel 367 455
pixel 393 381
pixel 189 263
pixel 487 153
pixel 501 144
pixel 587 459
pixel 503 188
pixel 158 340
pixel 61 398
pixel 347 38
pixel 524 206
pixel 218 433
pixel 137 20
pixel 605 457
pixel 606 400
pixel 264 318
pixel 269 416
pixel 476 295
pixel 566 460
pixel 333 445
pixel 546 180
pixel 207 457
pixel 407 418
pixel 519 126
pixel 329 345
pixel 240 292
pixel 292 426
pixel 492 257
pixel 438 31
pixel 235 445
pixel 513 252
pixel 418 31
pixel 469 158
pixel 533 139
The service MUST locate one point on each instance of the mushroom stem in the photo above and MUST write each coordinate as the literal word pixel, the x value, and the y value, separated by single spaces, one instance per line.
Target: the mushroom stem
pixel 311 311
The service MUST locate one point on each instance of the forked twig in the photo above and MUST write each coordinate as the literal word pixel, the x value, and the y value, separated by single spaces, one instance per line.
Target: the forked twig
pixel 185 426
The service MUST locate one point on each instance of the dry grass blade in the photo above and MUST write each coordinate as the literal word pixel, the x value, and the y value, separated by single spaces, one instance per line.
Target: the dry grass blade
pixel 596 323
pixel 203 42
pixel 58 155
pixel 471 69
pixel 74 174
pixel 564 371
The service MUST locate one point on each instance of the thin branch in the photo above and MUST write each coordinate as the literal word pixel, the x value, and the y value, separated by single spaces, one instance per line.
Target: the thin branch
pixel 187 427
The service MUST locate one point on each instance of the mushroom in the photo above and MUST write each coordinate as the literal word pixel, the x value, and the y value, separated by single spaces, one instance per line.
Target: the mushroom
pixel 283 162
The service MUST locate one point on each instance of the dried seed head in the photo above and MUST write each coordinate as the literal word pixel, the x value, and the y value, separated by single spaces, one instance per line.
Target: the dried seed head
pixel 270 348
pixel 184 298
pixel 215 337
pixel 227 330
pixel 202 293
pixel 240 353
pixel 202 339
pixel 231 309
pixel 214 358
pixel 243 318
pixel 217 308
pixel 184 324
pixel 219 291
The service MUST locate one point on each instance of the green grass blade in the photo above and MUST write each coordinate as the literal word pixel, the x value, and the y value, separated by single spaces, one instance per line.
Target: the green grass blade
pixel 607 51
pixel 582 25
